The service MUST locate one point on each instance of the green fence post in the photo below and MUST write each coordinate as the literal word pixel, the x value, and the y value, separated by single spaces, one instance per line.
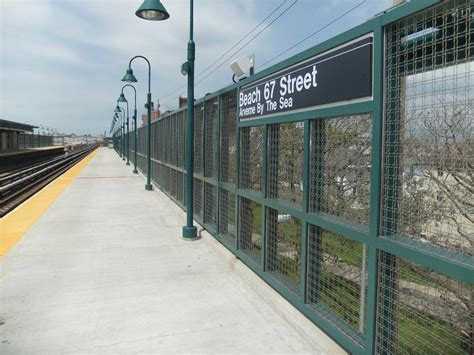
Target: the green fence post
pixel 305 207
pixel 267 247
pixel 386 264
pixel 237 172
pixel 217 174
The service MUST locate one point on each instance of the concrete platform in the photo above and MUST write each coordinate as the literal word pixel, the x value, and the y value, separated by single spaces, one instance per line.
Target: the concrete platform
pixel 104 270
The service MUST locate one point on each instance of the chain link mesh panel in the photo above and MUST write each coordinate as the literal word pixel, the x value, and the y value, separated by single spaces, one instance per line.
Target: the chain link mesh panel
pixel 142 149
pixel 422 311
pixel 173 183
pixel 227 225
pixel 337 279
pixel 181 116
pixel 210 131
pixel 427 187
pixel 159 143
pixel 198 201
pixel 228 148
pixel 250 230
pixel 180 187
pixel 283 248
pixel 198 138
pixel 155 139
pixel 210 205
pixel 429 149
pixel 132 145
pixel 251 153
pixel 285 154
pixel 164 140
pixel 174 140
pixel 340 162
pixel 167 182
pixel 142 140
pixel 160 175
pixel 154 173
pixel 170 142
pixel 185 188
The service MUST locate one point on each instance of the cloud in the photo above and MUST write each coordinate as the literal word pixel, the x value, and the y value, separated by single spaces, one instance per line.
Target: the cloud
pixel 62 60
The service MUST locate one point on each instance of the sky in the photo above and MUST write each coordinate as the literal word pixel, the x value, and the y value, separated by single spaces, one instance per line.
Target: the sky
pixel 62 60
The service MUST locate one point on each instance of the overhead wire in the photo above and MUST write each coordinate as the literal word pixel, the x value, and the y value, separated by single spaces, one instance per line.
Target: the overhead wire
pixel 353 8
pixel 249 33
pixel 315 32
pixel 231 48
pixel 248 42
pixel 237 43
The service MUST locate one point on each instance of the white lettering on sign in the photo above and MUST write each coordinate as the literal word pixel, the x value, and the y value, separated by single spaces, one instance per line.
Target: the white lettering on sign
pixel 250 98
pixel 290 85
pixel 250 104
pixel 340 74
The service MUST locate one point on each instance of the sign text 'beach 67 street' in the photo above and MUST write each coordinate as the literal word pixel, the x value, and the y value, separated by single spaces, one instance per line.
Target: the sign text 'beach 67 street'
pixel 339 75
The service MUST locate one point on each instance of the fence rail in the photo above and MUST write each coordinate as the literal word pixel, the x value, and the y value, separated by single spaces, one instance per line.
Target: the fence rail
pixel 26 141
pixel 360 214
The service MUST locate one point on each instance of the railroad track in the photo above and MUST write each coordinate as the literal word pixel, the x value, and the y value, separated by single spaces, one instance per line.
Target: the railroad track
pixel 18 186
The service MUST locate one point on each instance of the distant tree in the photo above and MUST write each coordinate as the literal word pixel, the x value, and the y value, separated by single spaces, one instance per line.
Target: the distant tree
pixel 285 161
pixel 345 167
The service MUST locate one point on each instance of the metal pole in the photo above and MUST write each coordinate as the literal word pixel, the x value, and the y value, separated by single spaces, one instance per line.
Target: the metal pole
pixel 135 170
pixel 120 134
pixel 148 185
pixel 363 281
pixel 122 127
pixel 190 231
pixel 119 141
pixel 128 138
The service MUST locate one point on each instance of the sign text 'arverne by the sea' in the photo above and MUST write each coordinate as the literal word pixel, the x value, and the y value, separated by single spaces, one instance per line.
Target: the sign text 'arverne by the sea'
pixel 342 74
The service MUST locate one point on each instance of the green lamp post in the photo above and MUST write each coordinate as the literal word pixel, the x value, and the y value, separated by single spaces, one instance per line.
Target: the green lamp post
pixel 122 99
pixel 155 11
pixel 116 136
pixel 117 133
pixel 113 132
pixel 130 78
pixel 127 138
pixel 112 124
pixel 120 110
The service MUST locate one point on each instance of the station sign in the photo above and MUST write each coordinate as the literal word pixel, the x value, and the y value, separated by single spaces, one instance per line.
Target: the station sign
pixel 342 74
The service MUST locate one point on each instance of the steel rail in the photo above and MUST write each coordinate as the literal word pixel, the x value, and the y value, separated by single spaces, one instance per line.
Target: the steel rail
pixel 17 192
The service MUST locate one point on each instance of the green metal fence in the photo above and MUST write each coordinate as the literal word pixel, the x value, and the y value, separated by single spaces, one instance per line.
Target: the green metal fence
pixel 26 141
pixel 361 213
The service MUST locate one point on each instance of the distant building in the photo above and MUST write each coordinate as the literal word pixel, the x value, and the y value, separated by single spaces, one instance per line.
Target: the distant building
pixel 73 139
pixel 155 114
pixel 9 132
pixel 182 102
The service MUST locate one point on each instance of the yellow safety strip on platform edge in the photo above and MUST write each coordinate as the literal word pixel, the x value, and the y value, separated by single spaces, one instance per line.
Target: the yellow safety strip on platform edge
pixel 15 224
